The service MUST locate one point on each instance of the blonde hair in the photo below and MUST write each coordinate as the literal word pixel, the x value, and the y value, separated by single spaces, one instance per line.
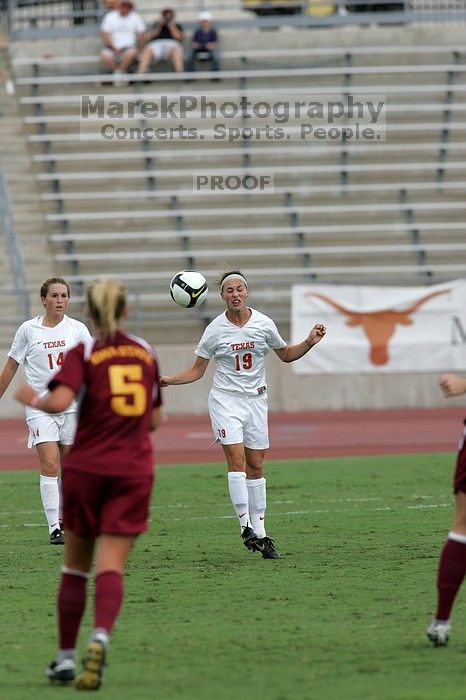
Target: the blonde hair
pixel 106 301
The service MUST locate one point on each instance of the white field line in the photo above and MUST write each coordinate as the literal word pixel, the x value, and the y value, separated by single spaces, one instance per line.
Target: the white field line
pixel 270 513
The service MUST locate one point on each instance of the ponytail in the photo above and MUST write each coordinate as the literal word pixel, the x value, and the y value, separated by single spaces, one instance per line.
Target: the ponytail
pixel 106 300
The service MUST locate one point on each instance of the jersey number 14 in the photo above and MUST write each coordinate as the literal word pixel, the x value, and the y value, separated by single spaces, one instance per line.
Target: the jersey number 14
pixel 58 360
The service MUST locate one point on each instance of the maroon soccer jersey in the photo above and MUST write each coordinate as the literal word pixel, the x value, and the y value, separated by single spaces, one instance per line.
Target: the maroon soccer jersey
pixel 119 385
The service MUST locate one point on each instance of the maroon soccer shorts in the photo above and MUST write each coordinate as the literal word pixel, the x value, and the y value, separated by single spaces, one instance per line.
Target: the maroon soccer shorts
pixel 459 479
pixel 114 505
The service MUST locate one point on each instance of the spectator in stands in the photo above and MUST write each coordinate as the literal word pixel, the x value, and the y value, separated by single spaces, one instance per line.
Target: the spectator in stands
pixel 122 34
pixel 204 44
pixel 164 42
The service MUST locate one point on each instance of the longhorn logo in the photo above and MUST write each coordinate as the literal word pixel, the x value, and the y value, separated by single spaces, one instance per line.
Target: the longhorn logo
pixel 379 326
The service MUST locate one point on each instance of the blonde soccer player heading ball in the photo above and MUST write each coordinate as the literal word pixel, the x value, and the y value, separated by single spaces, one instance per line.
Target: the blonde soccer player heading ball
pixel 238 341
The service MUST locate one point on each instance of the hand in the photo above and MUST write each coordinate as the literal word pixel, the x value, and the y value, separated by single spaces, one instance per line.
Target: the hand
pixel 452 385
pixel 25 394
pixel 164 381
pixel 316 334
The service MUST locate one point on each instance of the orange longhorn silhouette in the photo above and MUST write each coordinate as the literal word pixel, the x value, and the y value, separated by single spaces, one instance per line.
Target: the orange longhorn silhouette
pixel 379 326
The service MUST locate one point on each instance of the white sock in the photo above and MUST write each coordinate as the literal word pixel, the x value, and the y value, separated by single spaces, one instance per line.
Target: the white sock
pixel 50 500
pixel 99 634
pixel 64 654
pixel 60 502
pixel 239 496
pixel 456 537
pixel 257 504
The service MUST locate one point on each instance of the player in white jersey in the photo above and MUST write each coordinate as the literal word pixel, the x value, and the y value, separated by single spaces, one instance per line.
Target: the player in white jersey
pixel 40 345
pixel 238 341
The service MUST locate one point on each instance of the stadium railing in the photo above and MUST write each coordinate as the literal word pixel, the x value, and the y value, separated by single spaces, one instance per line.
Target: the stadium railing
pixel 296 169
pixel 221 213
pixel 281 252
pixel 410 108
pixel 248 151
pixel 52 18
pixel 248 57
pixel 402 188
pixel 413 230
pixel 13 254
pixel 243 76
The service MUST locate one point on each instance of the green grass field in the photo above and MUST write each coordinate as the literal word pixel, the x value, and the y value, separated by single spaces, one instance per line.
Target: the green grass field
pixel 341 616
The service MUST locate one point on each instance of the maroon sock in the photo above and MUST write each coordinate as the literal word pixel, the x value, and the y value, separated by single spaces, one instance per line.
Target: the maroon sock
pixel 108 599
pixel 451 571
pixel 71 603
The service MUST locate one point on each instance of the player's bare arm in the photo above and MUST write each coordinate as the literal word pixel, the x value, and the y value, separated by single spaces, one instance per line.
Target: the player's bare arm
pixel 55 401
pixel 7 374
pixel 290 353
pixel 452 384
pixel 187 376
pixel 155 418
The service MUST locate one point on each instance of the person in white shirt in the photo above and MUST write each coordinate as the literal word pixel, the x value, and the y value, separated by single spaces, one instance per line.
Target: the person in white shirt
pixel 238 340
pixel 40 345
pixel 122 32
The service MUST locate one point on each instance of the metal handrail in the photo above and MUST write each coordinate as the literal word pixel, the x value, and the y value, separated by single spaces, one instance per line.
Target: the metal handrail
pixel 13 251
pixel 49 18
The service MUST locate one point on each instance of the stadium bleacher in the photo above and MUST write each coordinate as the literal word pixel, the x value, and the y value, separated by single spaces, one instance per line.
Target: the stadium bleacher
pixel 387 211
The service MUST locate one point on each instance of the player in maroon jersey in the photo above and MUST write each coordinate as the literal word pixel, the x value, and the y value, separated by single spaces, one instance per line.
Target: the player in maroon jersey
pixel 452 563
pixel 107 475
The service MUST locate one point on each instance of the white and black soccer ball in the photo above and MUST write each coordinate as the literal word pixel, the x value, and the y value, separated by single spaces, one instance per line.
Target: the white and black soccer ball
pixel 188 288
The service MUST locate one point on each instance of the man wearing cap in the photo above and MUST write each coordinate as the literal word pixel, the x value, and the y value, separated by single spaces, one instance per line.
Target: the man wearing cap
pixel 204 44
pixel 122 33
pixel 164 43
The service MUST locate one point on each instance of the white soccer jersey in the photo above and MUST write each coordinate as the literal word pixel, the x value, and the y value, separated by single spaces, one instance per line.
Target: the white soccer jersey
pixel 41 350
pixel 239 352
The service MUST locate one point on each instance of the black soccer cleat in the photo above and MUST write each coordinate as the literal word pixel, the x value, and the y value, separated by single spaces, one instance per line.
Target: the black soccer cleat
pixel 57 537
pixel 90 677
pixel 266 546
pixel 250 539
pixel 61 671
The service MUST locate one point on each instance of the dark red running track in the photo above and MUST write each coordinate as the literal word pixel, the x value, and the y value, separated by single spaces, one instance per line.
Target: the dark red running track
pixel 187 439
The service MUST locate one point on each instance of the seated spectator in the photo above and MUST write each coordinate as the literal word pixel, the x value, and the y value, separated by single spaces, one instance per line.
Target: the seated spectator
pixel 122 32
pixel 164 42
pixel 204 44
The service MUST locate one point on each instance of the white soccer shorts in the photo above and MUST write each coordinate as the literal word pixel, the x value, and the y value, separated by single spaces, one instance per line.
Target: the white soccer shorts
pixel 58 427
pixel 239 418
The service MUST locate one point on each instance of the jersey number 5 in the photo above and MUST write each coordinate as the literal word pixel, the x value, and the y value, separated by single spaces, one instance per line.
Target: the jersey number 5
pixel 129 397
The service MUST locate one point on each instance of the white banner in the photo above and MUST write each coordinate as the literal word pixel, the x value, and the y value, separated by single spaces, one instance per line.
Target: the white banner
pixel 381 329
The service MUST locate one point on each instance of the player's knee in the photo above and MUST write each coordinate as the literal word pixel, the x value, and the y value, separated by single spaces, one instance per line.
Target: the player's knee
pixel 255 471
pixel 49 467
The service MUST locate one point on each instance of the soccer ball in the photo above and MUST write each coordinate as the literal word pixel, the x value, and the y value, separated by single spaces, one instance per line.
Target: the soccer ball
pixel 188 288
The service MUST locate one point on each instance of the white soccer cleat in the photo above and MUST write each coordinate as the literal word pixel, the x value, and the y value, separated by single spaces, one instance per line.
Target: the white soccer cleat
pixel 62 671
pixel 439 633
